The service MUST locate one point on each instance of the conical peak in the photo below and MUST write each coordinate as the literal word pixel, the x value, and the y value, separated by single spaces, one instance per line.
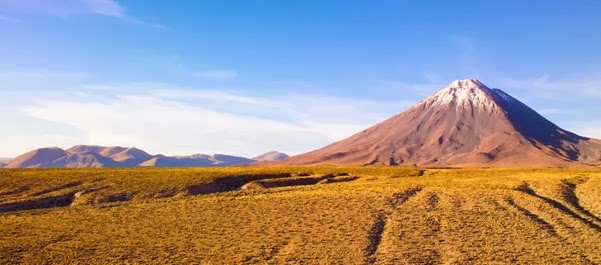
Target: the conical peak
pixel 467 83
pixel 465 93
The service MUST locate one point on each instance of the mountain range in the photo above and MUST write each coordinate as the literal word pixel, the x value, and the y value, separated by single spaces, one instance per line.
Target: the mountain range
pixel 90 156
pixel 466 124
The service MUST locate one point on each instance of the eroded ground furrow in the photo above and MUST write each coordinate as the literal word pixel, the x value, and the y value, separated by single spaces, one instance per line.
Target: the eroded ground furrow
pixel 562 236
pixel 578 235
pixel 483 228
pixel 589 194
pixel 375 238
pixel 399 198
pixel 380 221
pixel 568 192
pixel 432 202
pixel 412 232
pixel 458 217
pixel 43 203
pixel 532 216
pixel 525 188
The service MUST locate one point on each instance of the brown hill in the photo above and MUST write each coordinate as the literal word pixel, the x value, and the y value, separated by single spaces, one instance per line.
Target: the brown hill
pixel 271 156
pixel 127 156
pixel 101 150
pixel 39 158
pixel 465 124
pixel 111 150
pixel 168 161
pixel 91 156
pixel 226 160
pixel 131 156
pixel 199 160
pixel 84 160
pixel 86 148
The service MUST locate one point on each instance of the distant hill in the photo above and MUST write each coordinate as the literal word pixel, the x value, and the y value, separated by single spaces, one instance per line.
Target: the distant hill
pixel 271 156
pixel 39 158
pixel 228 159
pixel 89 148
pixel 199 160
pixel 466 124
pixel 91 156
pixel 131 156
pixel 85 160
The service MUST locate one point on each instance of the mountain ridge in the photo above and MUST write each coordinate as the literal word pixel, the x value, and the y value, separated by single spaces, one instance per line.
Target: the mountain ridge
pixel 93 156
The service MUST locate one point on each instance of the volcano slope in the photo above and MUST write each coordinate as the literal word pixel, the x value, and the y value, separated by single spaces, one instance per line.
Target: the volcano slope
pixel 300 215
pixel 466 124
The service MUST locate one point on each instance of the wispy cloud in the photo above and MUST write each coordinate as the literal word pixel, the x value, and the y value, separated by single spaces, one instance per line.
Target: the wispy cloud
pixel 41 74
pixel 589 86
pixel 419 89
pixel 63 8
pixel 207 95
pixel 181 121
pixel 105 7
pixel 164 118
pixel 144 23
pixel 216 74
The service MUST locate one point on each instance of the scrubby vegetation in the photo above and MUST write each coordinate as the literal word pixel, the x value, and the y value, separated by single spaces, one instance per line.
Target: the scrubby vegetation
pixel 300 215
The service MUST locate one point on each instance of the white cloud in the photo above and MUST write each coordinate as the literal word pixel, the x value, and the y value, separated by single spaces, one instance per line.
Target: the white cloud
pixel 589 86
pixel 212 95
pixel 180 121
pixel 144 23
pixel 422 90
pixel 166 119
pixel 105 7
pixel 216 74
pixel 41 74
pixel 62 8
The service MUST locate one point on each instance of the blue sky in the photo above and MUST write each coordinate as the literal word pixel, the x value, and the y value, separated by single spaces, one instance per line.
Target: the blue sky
pixel 246 77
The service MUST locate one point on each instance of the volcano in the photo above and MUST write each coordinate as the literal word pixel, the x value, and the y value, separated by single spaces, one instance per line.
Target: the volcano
pixel 466 124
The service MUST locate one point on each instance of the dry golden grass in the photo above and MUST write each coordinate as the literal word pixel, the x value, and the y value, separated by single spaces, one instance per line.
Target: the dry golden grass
pixel 300 215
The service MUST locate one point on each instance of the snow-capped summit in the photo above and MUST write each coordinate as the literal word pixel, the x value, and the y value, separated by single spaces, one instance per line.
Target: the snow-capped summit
pixel 464 93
